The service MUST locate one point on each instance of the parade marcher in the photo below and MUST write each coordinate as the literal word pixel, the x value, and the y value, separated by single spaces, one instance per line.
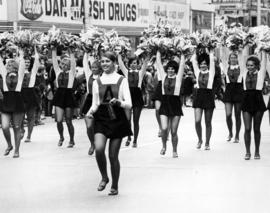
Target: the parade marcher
pixel 64 101
pixel 92 72
pixel 13 107
pixel 203 98
pixel 110 97
pixel 253 105
pixel 233 67
pixel 149 86
pixel 29 95
pixel 171 106
pixel 135 78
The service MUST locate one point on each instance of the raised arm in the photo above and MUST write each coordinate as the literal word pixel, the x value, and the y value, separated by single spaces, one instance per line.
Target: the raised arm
pixel 122 65
pixel 55 62
pixel 21 69
pixel 34 70
pixel 181 69
pixel 224 57
pixel 212 63
pixel 86 68
pixel 195 64
pixel 72 64
pixel 3 70
pixel 242 57
pixel 262 71
pixel 160 68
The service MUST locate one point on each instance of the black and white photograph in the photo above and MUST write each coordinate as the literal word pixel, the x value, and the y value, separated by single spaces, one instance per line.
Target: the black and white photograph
pixel 128 106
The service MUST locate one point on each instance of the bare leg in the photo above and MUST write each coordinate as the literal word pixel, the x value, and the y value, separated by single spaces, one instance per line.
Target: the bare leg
pixel 136 118
pixel 208 114
pixel 90 133
pixel 247 117
pixel 6 118
pixel 228 110
pixel 59 112
pixel 30 123
pixel 17 121
pixel 198 126
pixel 237 113
pixel 174 127
pixel 164 120
pixel 69 115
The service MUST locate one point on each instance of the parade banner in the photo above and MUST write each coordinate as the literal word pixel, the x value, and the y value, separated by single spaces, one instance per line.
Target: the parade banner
pixel 133 13
pixel 172 13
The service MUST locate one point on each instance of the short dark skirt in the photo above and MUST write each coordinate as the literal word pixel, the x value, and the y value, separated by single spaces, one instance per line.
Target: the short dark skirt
pixel 253 101
pixel 87 104
pixel 117 127
pixel 64 98
pixel 158 92
pixel 30 98
pixel 136 96
pixel 12 102
pixel 268 105
pixel 171 105
pixel 203 98
pixel 234 93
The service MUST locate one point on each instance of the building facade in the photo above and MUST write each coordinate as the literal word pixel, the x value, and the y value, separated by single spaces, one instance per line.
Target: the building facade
pixel 241 11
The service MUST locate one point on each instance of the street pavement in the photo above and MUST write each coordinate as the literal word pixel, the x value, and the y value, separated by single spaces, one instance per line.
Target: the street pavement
pixel 48 178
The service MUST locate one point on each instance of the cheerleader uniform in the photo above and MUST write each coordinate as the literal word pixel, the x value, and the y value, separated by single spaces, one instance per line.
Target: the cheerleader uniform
pixel 253 84
pixel 135 78
pixel 203 96
pixel 12 85
pixel 110 120
pixel 234 85
pixel 64 96
pixel 171 104
pixel 29 95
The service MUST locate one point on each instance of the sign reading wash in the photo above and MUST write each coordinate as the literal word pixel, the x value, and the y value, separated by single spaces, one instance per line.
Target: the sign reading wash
pixel 101 12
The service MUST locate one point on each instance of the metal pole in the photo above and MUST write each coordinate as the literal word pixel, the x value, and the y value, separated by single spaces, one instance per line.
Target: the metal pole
pixel 259 15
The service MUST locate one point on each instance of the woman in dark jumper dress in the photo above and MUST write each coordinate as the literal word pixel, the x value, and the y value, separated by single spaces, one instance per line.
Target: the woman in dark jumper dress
pixel 171 106
pixel 13 107
pixel 204 100
pixel 110 97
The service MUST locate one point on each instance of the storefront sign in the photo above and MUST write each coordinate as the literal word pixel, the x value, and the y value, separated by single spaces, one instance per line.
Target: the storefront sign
pixel 171 13
pixel 58 11
pixel 31 9
pixel 119 13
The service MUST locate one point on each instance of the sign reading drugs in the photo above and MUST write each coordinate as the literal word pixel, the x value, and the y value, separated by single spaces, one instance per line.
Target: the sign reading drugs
pixel 133 13
pixel 119 12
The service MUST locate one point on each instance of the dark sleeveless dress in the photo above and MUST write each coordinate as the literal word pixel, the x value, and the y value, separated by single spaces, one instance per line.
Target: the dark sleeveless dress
pixel 64 97
pixel 158 92
pixel 12 100
pixel 234 91
pixel 29 95
pixel 202 97
pixel 135 91
pixel 171 104
pixel 111 121
pixel 89 98
pixel 253 99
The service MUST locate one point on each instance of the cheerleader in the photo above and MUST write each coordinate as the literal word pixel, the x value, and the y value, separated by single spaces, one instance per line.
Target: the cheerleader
pixel 64 101
pixel 171 106
pixel 13 107
pixel 253 106
pixel 110 97
pixel 135 78
pixel 233 67
pixel 91 74
pixel 204 70
pixel 29 95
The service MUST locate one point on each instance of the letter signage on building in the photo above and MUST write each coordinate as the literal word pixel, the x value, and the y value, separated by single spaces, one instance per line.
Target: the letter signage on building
pixel 134 13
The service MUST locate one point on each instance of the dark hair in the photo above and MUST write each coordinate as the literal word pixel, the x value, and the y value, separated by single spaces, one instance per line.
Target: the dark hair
pixel 203 57
pixel 256 61
pixel 172 64
pixel 131 59
pixel 110 55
